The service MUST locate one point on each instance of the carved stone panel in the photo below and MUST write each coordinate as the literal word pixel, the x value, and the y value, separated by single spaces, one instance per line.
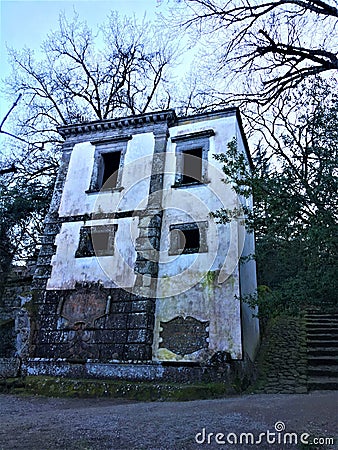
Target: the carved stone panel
pixel 82 307
pixel 79 345
pixel 184 336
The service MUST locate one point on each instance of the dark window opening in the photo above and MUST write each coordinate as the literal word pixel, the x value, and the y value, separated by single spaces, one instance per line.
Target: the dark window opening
pixel 111 164
pixel 191 153
pixel 190 240
pixel 192 166
pixel 96 241
pixel 100 242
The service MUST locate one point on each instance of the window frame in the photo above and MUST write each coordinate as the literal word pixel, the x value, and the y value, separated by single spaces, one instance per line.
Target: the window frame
pixel 86 234
pixel 102 147
pixel 187 143
pixel 175 249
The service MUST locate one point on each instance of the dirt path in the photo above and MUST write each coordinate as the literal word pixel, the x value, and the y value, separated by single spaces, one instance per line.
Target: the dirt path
pixel 39 423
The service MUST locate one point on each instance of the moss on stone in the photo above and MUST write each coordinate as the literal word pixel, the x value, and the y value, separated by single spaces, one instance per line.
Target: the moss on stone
pixel 209 279
pixel 31 307
pixel 139 391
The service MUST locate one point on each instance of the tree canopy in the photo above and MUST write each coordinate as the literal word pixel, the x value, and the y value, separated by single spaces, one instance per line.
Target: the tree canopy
pixel 78 75
pixel 263 46
pixel 295 215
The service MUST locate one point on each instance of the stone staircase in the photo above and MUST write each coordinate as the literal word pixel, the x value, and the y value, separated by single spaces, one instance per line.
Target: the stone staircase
pixel 322 353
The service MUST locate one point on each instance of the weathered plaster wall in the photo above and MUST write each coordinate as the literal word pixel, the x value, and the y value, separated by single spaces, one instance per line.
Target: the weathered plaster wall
pixel 116 270
pixel 74 200
pixel 248 286
pixel 113 271
pixel 190 284
pixel 137 166
pixel 248 276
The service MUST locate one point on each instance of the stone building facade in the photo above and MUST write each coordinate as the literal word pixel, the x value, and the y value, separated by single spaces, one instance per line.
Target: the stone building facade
pixel 135 279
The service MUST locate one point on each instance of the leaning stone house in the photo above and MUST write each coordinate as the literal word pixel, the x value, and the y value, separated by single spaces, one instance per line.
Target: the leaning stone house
pixel 135 279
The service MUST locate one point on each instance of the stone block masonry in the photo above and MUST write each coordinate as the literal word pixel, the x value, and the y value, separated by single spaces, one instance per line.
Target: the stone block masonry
pixel 282 361
pixel 119 327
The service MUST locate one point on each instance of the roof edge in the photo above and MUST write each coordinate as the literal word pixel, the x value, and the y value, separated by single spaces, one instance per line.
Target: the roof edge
pixel 230 111
pixel 245 141
pixel 168 115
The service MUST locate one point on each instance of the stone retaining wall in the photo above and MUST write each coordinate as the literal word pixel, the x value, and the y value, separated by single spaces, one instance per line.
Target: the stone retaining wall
pixel 282 360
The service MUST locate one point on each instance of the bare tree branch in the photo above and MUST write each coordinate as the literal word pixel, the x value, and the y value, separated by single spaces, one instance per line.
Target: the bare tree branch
pixel 281 41
pixel 9 111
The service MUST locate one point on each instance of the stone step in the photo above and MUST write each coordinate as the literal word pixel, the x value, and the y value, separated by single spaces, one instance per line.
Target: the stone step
pixel 319 343
pixel 322 360
pixel 324 315
pixel 327 371
pixel 321 337
pixel 322 383
pixel 332 312
pixel 324 329
pixel 328 323
pixel 331 324
pixel 321 329
pixel 323 351
pixel 321 314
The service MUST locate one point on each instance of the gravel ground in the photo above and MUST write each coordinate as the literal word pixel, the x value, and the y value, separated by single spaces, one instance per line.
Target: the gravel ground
pixel 40 423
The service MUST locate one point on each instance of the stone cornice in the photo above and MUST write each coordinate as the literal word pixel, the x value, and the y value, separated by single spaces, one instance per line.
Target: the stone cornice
pixel 167 116
pixel 194 135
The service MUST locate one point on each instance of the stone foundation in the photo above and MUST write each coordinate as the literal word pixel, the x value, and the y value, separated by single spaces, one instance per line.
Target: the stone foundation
pixel 9 367
pixel 92 322
pixel 237 373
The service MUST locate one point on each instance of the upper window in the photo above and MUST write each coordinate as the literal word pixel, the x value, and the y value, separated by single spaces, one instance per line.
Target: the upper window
pixel 192 166
pixel 192 158
pixel 96 241
pixel 188 238
pixel 108 163
pixel 110 169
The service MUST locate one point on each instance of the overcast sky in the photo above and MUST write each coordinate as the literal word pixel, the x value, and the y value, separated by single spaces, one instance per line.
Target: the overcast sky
pixel 26 22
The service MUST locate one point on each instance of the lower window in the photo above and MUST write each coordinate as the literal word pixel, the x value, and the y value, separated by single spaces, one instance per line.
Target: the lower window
pixel 96 241
pixel 188 238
